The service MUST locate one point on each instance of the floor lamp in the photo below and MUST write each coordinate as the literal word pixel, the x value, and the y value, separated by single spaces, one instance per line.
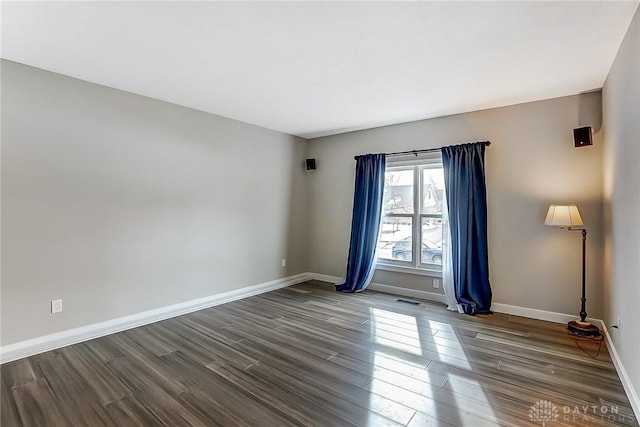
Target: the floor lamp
pixel 568 217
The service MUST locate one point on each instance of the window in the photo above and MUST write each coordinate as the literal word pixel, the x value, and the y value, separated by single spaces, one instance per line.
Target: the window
pixel 411 236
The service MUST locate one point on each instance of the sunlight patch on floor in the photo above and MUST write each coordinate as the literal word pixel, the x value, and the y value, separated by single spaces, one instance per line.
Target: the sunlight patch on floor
pixel 411 337
pixel 463 385
pixel 442 349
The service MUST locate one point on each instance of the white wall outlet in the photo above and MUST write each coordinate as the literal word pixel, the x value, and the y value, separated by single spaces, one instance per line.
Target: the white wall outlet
pixel 283 262
pixel 618 322
pixel 436 283
pixel 56 306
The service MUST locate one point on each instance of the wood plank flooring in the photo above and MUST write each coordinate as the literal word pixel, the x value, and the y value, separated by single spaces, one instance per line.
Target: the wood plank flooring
pixel 308 356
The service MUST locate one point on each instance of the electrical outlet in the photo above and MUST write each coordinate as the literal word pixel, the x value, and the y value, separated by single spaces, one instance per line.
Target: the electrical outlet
pixel 436 283
pixel 56 306
pixel 283 262
pixel 619 323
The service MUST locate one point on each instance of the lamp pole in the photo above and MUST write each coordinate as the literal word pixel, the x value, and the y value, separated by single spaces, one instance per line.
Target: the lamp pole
pixel 583 300
pixel 582 327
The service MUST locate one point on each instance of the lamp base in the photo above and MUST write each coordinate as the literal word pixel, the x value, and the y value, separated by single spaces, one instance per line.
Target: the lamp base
pixel 585 329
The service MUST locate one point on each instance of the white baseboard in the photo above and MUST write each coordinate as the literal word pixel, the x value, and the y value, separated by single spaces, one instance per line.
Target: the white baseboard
pixel 534 313
pixel 326 278
pixel 387 289
pixel 622 372
pixel 414 293
pixel 44 343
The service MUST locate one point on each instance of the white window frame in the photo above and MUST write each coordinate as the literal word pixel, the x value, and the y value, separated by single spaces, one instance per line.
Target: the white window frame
pixel 415 266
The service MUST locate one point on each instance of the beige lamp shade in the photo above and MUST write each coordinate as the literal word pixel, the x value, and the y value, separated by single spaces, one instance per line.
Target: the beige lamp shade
pixel 563 216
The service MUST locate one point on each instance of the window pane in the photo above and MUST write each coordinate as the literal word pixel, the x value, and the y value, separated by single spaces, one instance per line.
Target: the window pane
pixel 431 241
pixel 395 239
pixel 432 190
pixel 398 191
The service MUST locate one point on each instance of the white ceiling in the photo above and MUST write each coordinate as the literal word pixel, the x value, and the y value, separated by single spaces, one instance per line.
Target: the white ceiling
pixel 313 69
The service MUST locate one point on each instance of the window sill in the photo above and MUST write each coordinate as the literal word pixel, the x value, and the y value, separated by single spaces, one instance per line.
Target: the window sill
pixel 409 270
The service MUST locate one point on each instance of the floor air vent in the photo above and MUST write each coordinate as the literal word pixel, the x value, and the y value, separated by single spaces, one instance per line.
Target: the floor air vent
pixel 406 301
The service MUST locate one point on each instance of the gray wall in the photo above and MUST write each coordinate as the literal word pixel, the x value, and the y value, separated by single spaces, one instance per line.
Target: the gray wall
pixel 118 203
pixel 530 164
pixel 621 109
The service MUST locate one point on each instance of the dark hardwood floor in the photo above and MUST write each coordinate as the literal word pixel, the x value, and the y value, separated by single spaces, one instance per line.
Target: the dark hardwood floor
pixel 307 355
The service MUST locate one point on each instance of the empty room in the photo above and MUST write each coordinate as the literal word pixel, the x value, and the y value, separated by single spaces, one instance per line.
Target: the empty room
pixel 320 213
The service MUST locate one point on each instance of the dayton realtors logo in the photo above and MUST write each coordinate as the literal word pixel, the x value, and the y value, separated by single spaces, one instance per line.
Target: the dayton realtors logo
pixel 545 412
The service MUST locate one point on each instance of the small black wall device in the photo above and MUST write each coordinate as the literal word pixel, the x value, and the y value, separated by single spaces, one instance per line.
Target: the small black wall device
pixel 582 137
pixel 310 164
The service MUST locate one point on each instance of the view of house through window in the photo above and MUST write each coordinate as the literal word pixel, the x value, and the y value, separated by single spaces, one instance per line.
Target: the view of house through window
pixel 412 216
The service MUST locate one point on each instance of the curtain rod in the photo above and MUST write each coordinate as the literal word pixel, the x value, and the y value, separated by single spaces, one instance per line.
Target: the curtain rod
pixel 426 150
